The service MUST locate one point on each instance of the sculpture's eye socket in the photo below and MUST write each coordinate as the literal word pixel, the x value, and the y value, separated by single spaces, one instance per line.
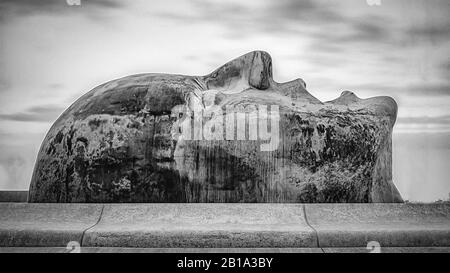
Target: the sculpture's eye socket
pixel 180 115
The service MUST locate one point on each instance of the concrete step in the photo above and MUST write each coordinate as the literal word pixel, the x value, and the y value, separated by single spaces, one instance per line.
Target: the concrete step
pixel 326 227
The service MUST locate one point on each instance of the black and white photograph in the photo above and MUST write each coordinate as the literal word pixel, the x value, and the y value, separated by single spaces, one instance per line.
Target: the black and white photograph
pixel 209 127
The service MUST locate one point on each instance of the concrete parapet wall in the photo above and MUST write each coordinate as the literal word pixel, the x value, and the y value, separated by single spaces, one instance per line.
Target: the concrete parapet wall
pixel 175 225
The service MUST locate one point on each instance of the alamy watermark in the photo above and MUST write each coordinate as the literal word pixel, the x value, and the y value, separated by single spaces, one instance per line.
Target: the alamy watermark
pixel 73 247
pixel 373 247
pixel 373 2
pixel 73 2
pixel 253 123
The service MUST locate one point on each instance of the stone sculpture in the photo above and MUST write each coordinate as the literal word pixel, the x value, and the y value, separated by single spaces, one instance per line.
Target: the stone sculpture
pixel 234 135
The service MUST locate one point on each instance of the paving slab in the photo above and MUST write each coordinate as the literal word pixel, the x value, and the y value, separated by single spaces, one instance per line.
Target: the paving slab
pixel 389 225
pixel 201 225
pixel 387 250
pixel 23 224
pixel 156 250
pixel 223 250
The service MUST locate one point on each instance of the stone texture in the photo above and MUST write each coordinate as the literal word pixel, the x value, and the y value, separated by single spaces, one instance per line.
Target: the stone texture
pixel 123 142
pixel 201 226
pixel 388 250
pixel 194 227
pixel 35 225
pixel 223 250
pixel 160 250
pixel 391 225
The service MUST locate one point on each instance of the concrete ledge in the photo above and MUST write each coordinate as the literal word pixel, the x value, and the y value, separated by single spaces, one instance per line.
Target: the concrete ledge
pixel 223 250
pixel 388 250
pixel 201 225
pixel 13 196
pixel 45 224
pixel 215 226
pixel 156 250
pixel 391 225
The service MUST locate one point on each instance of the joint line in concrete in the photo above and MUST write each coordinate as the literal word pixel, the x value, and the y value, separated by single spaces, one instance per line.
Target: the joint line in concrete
pixel 98 221
pixel 315 231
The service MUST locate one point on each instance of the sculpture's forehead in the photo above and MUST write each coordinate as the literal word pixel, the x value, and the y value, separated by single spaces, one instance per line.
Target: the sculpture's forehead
pixel 140 80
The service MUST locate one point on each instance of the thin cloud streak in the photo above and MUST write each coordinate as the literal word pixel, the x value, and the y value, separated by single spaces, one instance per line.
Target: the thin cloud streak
pixel 41 113
pixel 419 89
pixel 425 120
pixel 12 9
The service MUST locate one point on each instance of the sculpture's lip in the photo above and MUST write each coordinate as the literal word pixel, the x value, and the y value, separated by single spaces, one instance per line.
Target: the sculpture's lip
pixel 296 82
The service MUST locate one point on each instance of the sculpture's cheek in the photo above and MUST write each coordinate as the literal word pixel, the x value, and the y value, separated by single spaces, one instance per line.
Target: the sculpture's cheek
pixel 161 98
pixel 224 77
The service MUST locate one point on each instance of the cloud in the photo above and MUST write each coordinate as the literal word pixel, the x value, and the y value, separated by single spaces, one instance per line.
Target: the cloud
pixel 419 89
pixel 423 124
pixel 322 24
pixel 43 113
pixel 247 18
pixel 318 12
pixel 50 5
pixel 445 67
pixel 55 85
pixel 13 8
pixel 371 29
pixel 425 120
pixel 4 85
pixel 435 32
pixel 435 89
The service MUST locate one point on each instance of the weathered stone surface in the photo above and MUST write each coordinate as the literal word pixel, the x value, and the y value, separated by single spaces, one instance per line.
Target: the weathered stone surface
pixel 388 250
pixel 174 250
pixel 390 225
pixel 224 250
pixel 128 140
pixel 44 225
pixel 201 225
pixel 289 226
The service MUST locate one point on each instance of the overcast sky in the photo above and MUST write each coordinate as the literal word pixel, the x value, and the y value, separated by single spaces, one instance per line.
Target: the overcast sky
pixel 51 53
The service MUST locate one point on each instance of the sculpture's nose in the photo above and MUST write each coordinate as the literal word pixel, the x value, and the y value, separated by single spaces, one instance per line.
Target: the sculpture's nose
pixel 260 70
pixel 254 69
